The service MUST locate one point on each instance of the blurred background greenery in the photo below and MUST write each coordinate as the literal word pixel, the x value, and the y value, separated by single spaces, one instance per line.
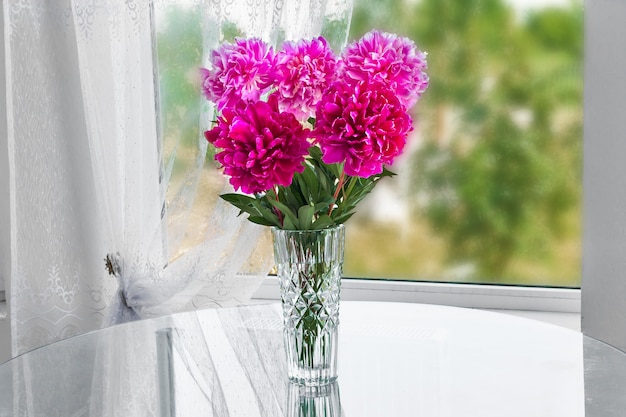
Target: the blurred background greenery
pixel 494 170
pixel 489 187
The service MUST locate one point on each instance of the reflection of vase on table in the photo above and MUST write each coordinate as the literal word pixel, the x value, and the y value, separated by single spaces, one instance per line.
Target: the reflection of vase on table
pixel 322 401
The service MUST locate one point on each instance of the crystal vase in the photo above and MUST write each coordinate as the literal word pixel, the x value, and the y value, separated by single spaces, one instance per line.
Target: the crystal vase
pixel 309 266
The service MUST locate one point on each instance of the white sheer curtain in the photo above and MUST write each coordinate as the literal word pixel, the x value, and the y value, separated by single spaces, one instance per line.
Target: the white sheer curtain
pixel 58 287
pixel 92 177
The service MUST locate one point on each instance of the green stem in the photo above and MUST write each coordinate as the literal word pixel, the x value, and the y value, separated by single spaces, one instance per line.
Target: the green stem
pixel 342 177
pixel 351 184
pixel 278 213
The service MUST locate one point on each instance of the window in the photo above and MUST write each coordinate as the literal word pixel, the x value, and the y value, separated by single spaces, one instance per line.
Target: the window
pixel 489 187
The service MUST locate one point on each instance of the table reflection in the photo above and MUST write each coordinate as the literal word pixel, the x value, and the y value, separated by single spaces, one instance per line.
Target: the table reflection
pixel 321 401
pixel 605 379
pixel 395 359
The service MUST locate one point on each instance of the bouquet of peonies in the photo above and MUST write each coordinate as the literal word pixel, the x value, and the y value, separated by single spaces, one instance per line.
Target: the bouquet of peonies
pixel 306 134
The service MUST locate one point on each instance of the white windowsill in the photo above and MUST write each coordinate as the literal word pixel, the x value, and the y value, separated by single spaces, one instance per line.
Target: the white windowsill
pixel 558 306
pixel 494 297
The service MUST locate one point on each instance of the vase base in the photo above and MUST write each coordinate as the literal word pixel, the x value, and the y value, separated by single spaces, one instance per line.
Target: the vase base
pixel 312 361
pixel 313 382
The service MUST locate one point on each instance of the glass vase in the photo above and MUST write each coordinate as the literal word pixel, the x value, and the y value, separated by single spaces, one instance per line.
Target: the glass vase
pixel 310 264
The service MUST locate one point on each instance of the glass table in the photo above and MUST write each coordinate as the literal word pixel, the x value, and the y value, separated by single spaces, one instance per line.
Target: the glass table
pixel 395 359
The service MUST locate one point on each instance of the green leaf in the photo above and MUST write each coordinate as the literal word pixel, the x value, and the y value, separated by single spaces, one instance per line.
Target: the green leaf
pixel 322 207
pixel 291 197
pixel 288 224
pixel 312 183
pixel 315 153
pixel 262 221
pixel 387 173
pixel 322 222
pixel 343 218
pixel 304 189
pixel 305 215
pixel 286 211
pixel 234 197
pixel 244 203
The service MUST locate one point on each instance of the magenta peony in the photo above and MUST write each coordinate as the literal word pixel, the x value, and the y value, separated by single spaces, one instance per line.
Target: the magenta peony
pixel 261 147
pixel 358 104
pixel 241 71
pixel 303 71
pixel 364 125
pixel 388 58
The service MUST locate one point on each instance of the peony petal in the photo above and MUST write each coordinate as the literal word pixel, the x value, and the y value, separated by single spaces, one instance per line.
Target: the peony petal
pixel 332 155
pixel 213 134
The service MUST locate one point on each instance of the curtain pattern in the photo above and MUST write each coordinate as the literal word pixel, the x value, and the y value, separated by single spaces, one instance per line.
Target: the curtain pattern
pixel 93 178
pixel 58 287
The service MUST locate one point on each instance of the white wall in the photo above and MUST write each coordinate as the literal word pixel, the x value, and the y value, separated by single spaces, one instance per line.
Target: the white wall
pixel 604 185
pixel 5 335
pixel 4 170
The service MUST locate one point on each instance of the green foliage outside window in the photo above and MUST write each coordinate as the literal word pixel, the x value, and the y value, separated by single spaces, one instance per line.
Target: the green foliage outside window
pixel 499 166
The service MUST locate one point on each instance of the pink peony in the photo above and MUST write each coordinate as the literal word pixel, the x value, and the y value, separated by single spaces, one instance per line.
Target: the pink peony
pixel 304 70
pixel 261 147
pixel 390 59
pixel 364 125
pixel 244 70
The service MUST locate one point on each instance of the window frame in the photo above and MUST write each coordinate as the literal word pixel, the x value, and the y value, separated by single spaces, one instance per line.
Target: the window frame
pixel 604 174
pixel 5 240
pixel 485 296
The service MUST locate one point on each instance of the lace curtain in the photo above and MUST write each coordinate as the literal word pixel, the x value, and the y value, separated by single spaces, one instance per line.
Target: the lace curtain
pixel 99 171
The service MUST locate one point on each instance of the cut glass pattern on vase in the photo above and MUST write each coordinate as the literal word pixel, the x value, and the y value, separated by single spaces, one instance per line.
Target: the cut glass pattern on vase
pixel 309 271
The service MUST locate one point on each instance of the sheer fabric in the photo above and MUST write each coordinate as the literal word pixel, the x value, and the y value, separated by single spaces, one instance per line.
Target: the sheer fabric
pixel 94 179
pixel 58 287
